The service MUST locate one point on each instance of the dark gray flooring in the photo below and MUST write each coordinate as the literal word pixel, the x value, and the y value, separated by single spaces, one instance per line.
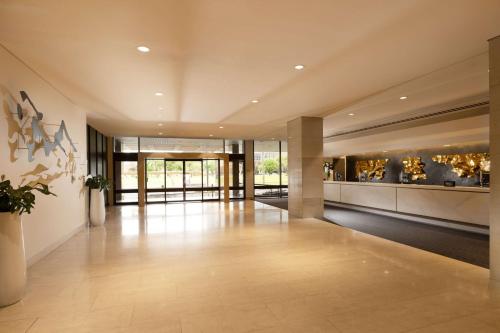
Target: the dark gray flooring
pixel 461 245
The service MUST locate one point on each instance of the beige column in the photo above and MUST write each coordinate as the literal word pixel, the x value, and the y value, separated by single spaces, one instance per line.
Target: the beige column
pixel 305 167
pixel 495 158
pixel 249 170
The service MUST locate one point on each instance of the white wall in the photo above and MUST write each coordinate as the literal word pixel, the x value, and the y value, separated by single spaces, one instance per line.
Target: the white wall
pixel 54 219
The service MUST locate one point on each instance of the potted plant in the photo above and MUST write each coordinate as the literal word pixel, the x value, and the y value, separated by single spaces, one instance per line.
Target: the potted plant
pixel 97 185
pixel 14 203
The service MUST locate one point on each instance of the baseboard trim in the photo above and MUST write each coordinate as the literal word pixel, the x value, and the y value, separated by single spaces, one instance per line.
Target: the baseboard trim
pixel 37 257
pixel 478 229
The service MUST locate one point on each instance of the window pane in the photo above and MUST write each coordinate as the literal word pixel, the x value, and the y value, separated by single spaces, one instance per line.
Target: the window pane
pixel 284 163
pixel 126 175
pixel 266 159
pixel 126 145
pixel 155 169
pixel 234 146
pixel 177 145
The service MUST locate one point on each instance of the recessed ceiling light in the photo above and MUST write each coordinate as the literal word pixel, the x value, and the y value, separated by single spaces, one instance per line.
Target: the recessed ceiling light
pixel 384 151
pixel 403 97
pixel 160 124
pixel 447 145
pixel 160 108
pixel 159 94
pixel 160 133
pixel 299 67
pixel 143 49
pixel 210 135
pixel 221 126
pixel 255 101
pixel 350 114
pixel 273 138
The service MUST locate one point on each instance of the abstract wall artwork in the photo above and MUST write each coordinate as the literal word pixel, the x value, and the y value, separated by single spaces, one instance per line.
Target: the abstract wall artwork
pixel 466 165
pixel 371 168
pixel 27 130
pixel 414 167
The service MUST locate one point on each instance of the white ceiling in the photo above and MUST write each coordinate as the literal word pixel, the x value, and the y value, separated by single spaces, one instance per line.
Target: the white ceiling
pixel 211 58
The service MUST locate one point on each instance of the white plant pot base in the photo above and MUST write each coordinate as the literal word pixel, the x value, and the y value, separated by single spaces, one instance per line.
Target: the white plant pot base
pixel 12 259
pixel 97 208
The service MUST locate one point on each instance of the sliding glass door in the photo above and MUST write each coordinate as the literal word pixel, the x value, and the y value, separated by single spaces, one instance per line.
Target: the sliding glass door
pixel 182 180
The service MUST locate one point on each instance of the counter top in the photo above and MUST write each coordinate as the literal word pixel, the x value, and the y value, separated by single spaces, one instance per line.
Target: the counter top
pixel 415 186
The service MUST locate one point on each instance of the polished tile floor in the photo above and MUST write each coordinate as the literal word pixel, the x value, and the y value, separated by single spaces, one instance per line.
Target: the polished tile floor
pixel 246 267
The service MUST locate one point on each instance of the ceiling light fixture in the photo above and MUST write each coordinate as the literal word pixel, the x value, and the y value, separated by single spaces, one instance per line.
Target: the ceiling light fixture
pixel 160 133
pixel 158 94
pixel 160 108
pixel 160 124
pixel 447 145
pixel 384 151
pixel 299 67
pixel 210 135
pixel 143 49
pixel 403 97
pixel 255 101
pixel 221 126
pixel 350 114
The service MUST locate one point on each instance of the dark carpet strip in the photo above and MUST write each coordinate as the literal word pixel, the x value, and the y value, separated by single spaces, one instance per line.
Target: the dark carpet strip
pixel 461 245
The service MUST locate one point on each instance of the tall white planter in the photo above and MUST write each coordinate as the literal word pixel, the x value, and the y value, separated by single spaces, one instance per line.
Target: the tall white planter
pixel 12 259
pixel 97 209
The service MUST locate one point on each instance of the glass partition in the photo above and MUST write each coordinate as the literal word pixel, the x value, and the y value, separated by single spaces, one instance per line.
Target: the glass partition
pixel 126 185
pixel 181 145
pixel 126 144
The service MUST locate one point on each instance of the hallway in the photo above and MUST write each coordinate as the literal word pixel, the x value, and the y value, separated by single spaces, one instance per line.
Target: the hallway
pixel 244 267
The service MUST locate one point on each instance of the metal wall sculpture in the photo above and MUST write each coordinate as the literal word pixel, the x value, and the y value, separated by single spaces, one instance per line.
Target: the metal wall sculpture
pixel 371 168
pixel 27 130
pixel 466 165
pixel 414 167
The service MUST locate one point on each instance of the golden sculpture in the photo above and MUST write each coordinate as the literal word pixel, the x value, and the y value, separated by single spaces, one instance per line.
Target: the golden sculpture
pixel 466 165
pixel 372 168
pixel 415 167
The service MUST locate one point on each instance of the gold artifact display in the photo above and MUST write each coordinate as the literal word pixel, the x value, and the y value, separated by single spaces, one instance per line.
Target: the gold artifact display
pixel 415 167
pixel 466 165
pixel 372 168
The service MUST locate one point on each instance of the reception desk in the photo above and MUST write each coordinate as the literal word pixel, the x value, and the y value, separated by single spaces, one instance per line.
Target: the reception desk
pixel 461 204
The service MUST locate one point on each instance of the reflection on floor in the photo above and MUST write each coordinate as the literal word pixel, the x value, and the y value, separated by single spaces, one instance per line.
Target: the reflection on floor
pixel 465 246
pixel 246 267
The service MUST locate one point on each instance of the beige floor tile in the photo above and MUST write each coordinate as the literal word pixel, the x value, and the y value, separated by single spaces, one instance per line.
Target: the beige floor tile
pixel 461 325
pixel 245 267
pixel 15 326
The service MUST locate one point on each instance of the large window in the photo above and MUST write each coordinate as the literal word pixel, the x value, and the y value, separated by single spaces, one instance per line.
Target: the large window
pixel 271 176
pixel 177 180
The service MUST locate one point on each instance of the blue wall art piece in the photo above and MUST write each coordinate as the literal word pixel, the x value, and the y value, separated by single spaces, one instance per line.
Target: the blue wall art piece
pixel 28 130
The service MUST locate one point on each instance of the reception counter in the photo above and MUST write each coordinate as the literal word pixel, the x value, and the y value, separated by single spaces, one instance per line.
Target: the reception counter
pixel 461 204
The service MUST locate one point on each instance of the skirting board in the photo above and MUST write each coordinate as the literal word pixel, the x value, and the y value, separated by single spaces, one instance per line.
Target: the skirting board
pixel 34 259
pixel 415 218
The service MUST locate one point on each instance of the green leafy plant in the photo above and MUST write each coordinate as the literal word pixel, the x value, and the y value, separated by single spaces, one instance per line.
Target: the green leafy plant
pixel 21 199
pixel 97 182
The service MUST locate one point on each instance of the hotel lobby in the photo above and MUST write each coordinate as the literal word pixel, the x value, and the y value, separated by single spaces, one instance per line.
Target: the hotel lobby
pixel 250 166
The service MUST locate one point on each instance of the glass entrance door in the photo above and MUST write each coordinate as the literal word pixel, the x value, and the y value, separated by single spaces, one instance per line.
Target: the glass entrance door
pixel 174 180
pixel 193 177
pixel 170 180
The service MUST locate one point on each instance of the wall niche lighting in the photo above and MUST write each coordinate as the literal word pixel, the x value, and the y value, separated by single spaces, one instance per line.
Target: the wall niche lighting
pixel 414 167
pixel 371 168
pixel 465 165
